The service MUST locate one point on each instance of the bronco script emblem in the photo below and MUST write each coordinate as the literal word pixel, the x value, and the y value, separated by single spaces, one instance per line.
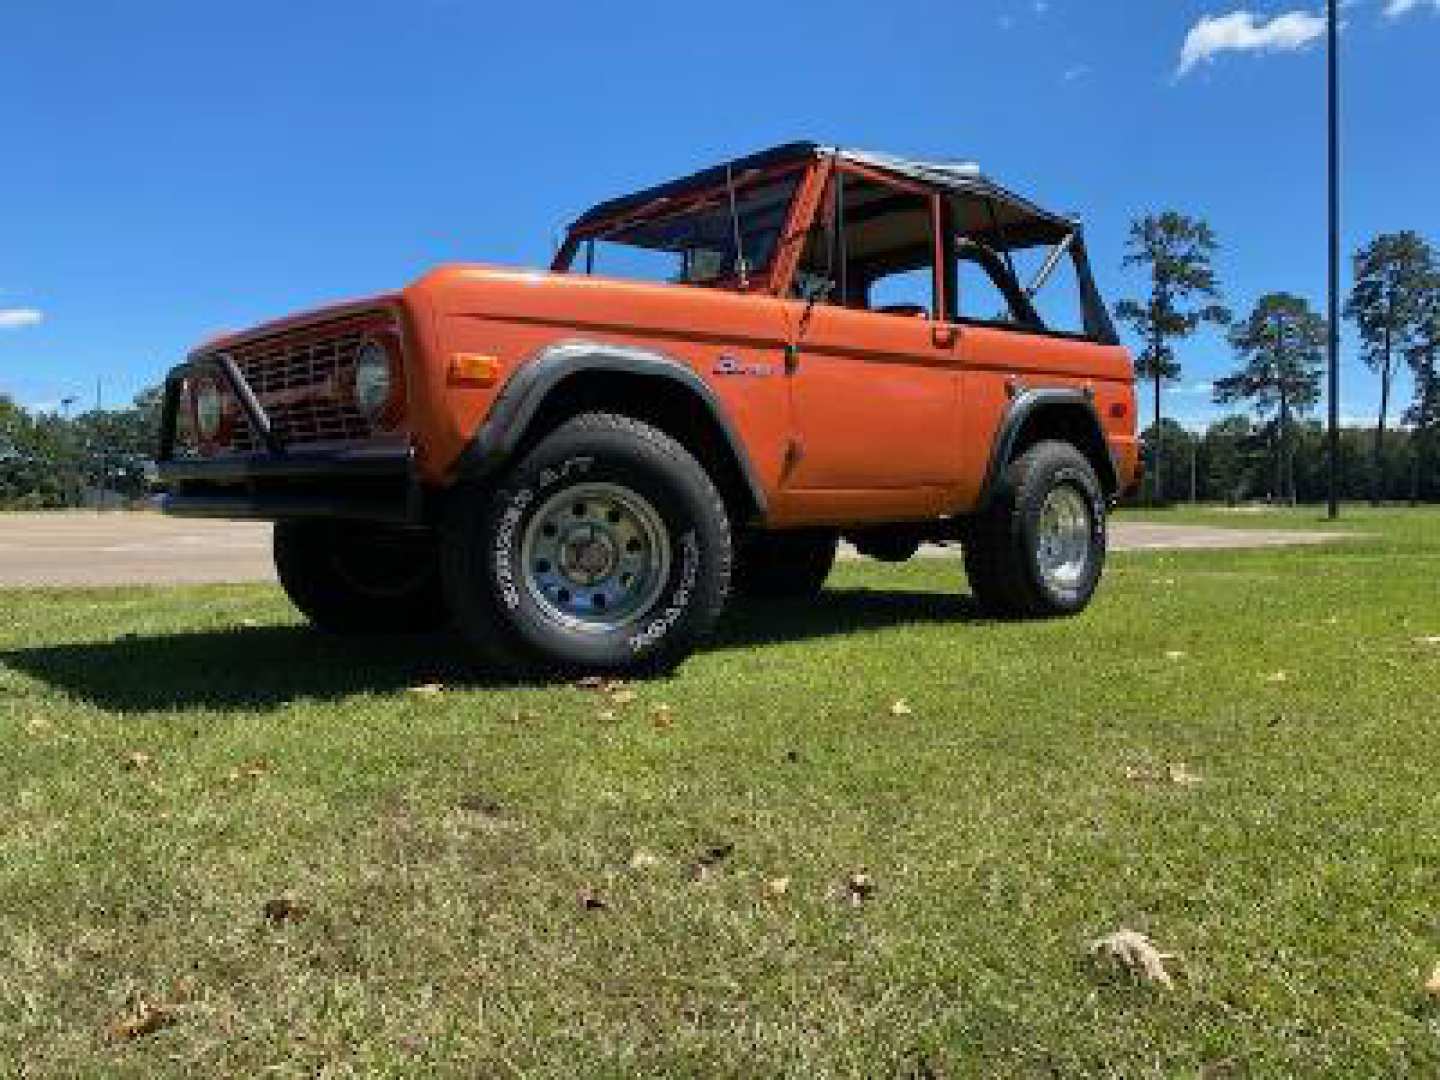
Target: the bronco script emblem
pixel 731 365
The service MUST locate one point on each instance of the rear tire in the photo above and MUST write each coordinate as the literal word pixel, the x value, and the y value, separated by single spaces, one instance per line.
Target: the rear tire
pixel 353 578
pixel 605 549
pixel 788 565
pixel 1039 549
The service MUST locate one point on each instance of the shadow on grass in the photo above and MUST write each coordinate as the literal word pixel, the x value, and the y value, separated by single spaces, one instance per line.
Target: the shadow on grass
pixel 266 667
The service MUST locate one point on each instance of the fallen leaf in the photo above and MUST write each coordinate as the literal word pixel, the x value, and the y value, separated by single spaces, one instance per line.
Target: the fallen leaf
pixel 644 860
pixel 1432 987
pixel 137 759
pixel 250 770
pixel 792 756
pixel 429 690
pixel 710 858
pixel 1174 654
pixel 524 716
pixel 858 888
pixel 606 716
pixel 590 900
pixel 662 716
pixel 777 887
pixel 901 708
pixel 1180 773
pixel 147 1019
pixel 623 697
pixel 284 909
pixel 1136 953
pixel 589 682
pixel 481 804
pixel 1428 639
pixel 1278 677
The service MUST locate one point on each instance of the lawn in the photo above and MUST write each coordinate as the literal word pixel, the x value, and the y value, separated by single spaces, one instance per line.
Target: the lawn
pixel 232 847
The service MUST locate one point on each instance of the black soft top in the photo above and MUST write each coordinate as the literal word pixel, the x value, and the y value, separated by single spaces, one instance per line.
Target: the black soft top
pixel 1003 218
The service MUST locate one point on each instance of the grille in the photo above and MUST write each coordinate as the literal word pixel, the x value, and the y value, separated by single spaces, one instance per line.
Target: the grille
pixel 302 382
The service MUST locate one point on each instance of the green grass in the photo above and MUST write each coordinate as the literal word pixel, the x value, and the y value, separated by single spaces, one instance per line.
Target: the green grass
pixel 438 845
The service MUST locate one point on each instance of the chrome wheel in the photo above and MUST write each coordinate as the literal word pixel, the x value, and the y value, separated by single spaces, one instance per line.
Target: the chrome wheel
pixel 1064 537
pixel 596 557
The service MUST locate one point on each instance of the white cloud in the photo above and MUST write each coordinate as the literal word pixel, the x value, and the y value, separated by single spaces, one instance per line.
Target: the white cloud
pixel 1242 31
pixel 15 318
pixel 1394 9
pixel 1079 71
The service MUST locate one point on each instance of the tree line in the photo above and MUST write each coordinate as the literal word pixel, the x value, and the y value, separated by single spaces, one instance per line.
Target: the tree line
pixel 1279 353
pixel 50 460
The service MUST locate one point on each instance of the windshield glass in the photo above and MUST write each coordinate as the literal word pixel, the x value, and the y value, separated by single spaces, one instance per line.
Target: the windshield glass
pixel 693 243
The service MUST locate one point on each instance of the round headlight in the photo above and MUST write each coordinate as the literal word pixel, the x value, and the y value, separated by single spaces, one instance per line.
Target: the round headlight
pixel 209 409
pixel 373 379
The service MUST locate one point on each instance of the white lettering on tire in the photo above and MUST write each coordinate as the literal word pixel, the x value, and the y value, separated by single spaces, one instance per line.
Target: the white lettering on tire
pixel 679 601
pixel 518 502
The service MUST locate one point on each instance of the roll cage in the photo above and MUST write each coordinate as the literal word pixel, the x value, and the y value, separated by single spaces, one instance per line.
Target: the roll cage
pixel 971 219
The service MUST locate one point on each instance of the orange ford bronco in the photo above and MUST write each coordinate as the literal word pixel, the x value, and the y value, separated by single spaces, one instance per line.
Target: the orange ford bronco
pixel 717 380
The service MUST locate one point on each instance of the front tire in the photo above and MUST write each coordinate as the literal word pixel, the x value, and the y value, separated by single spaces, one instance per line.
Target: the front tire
pixel 1039 549
pixel 605 549
pixel 353 578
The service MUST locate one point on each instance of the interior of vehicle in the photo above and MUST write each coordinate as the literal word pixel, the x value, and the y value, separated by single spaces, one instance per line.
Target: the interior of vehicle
pixel 873 249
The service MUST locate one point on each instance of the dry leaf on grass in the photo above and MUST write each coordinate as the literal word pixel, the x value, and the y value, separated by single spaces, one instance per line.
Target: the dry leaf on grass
pixel 710 858
pixel 147 1018
pixel 1136 953
pixel 1176 772
pixel 901 708
pixel 590 900
pixel 858 888
pixel 427 690
pixel 284 909
pixel 644 860
pixel 1432 986
pixel 523 716
pixel 137 759
pixel 606 716
pixel 1174 654
pixel 1278 677
pixel 776 887
pixel 662 716
pixel 1182 774
pixel 250 770
pixel 623 697
pixel 1428 639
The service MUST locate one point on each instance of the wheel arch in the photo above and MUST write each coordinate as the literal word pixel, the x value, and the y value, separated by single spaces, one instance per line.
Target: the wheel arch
pixel 1059 413
pixel 567 379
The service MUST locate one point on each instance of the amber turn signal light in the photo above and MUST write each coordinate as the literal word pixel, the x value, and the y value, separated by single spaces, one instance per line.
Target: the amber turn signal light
pixel 474 369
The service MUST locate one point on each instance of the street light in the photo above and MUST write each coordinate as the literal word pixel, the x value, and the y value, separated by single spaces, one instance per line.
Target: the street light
pixel 1333 11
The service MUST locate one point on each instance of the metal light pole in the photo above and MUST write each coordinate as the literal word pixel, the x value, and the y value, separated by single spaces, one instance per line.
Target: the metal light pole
pixel 1334 335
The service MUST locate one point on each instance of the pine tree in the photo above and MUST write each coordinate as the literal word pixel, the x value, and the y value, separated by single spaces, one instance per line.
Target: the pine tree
pixel 1179 252
pixel 1387 306
pixel 1281 347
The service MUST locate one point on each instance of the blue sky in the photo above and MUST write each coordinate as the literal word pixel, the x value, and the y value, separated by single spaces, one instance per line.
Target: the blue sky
pixel 171 169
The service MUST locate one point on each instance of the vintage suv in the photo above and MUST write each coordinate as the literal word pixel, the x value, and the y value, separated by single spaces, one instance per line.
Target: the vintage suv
pixel 716 381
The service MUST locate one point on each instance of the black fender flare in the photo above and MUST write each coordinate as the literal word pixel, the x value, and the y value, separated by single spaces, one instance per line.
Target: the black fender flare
pixel 1026 404
pixel 524 393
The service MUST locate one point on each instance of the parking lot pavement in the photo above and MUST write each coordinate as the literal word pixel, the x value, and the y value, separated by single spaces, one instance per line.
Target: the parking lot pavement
pixel 117 548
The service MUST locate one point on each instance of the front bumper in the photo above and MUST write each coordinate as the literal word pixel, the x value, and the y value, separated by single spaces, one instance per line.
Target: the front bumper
pixel 371 483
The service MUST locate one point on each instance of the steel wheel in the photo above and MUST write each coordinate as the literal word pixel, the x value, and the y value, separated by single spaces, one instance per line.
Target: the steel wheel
pixel 1063 537
pixel 595 557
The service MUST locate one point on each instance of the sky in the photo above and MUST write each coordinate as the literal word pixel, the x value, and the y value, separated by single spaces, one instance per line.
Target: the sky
pixel 171 169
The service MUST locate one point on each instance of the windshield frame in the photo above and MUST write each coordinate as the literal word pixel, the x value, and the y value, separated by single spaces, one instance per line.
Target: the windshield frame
pixel 757 278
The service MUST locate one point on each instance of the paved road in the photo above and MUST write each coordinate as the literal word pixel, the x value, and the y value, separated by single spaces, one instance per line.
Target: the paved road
pixel 84 548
